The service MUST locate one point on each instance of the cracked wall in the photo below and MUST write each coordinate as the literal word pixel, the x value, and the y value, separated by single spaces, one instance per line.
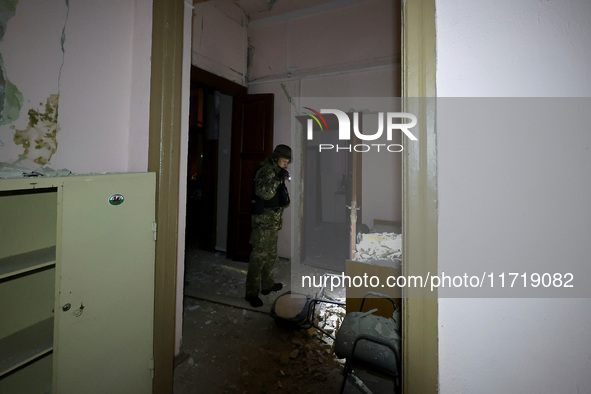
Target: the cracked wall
pixel 83 69
pixel 220 40
pixel 31 58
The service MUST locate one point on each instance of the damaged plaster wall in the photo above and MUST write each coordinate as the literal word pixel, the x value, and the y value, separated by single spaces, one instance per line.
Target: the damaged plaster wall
pixel 343 38
pixel 32 56
pixel 39 138
pixel 220 41
pixel 79 66
pixel 105 90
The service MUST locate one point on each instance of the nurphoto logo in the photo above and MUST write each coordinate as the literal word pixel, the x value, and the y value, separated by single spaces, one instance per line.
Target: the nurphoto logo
pixel 392 120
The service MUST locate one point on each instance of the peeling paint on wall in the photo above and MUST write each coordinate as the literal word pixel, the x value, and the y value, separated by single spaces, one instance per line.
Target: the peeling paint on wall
pixel 39 139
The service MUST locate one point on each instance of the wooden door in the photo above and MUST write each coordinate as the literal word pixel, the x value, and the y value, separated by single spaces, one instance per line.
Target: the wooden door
pixel 252 142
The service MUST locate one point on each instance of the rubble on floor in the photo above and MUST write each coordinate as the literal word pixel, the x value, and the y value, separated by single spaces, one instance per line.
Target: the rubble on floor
pixel 229 347
pixel 376 247
pixel 233 350
pixel 329 318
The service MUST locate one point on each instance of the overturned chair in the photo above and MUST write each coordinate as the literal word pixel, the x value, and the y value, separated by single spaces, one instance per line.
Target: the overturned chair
pixel 370 342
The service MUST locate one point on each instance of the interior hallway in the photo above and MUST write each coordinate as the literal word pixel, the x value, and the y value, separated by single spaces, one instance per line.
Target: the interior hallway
pixel 230 347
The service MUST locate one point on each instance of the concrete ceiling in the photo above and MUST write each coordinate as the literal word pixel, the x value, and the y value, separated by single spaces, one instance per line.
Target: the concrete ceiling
pixel 261 9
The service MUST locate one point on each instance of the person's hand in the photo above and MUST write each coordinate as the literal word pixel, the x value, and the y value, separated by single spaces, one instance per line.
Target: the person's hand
pixel 283 174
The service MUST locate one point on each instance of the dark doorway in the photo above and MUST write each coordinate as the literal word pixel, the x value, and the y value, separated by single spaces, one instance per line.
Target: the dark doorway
pixel 211 126
pixel 202 168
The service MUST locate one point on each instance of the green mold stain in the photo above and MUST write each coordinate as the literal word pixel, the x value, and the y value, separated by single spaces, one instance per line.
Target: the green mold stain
pixel 7 11
pixel 11 99
pixel 39 139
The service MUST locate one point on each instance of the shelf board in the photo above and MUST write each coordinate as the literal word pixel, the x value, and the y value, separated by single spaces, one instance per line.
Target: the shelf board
pixel 26 345
pixel 24 262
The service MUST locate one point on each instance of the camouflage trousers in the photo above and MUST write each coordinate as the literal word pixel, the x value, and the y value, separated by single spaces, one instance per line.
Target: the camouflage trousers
pixel 265 228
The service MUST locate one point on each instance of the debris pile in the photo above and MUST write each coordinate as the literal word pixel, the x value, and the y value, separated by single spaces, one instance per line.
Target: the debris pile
pixel 329 318
pixel 308 358
pixel 378 247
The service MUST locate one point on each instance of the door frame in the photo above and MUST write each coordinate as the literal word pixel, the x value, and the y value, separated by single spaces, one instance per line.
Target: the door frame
pixel 419 201
pixel 164 143
pixel 420 355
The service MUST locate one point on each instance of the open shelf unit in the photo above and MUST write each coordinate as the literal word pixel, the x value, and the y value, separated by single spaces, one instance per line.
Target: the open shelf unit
pixel 27 288
pixel 27 262
pixel 77 284
pixel 26 345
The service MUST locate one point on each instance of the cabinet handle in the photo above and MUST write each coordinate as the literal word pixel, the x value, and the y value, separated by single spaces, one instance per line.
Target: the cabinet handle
pixel 79 311
pixel 66 307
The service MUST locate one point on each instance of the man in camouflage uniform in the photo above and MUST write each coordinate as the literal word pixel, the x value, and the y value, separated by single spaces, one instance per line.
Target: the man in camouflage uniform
pixel 269 198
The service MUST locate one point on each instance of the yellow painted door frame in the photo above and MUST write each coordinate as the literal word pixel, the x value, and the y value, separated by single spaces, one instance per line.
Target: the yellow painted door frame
pixel 419 201
pixel 164 159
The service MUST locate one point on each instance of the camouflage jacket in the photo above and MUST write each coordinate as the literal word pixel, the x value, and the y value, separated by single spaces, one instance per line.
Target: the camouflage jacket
pixel 269 191
pixel 266 181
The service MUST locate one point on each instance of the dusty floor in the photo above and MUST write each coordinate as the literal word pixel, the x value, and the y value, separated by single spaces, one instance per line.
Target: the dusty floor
pixel 230 347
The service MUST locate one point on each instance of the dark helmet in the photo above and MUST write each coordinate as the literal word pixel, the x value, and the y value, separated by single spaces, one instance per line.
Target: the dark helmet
pixel 282 151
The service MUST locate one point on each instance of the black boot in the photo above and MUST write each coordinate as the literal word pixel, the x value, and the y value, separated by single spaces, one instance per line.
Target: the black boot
pixel 255 301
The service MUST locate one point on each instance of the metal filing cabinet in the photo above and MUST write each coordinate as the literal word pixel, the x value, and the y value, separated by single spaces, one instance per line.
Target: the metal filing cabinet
pixel 77 284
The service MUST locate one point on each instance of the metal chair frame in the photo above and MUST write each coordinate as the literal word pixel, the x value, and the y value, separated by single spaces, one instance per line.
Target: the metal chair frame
pixel 351 358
